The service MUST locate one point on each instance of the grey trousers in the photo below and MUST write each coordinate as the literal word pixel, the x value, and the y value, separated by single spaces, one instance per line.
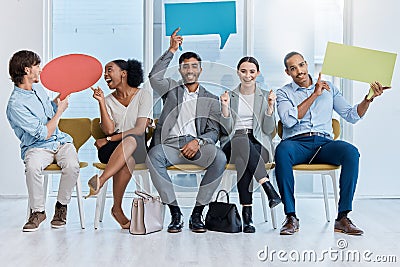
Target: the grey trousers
pixel 37 159
pixel 164 155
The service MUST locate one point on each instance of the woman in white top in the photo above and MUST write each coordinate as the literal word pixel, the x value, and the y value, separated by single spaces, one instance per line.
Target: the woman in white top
pixel 123 115
pixel 248 122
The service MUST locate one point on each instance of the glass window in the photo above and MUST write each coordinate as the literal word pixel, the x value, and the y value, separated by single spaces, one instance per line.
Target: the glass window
pixel 284 26
pixel 303 26
pixel 105 30
pixel 219 71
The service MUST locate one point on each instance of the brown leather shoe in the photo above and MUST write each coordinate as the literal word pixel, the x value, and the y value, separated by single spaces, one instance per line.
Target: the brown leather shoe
pixel 290 226
pixel 345 225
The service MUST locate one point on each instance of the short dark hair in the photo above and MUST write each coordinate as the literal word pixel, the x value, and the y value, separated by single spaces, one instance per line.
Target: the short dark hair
pixel 289 55
pixel 188 55
pixel 19 61
pixel 248 59
pixel 134 70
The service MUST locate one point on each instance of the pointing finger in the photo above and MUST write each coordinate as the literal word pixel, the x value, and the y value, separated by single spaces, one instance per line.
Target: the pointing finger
pixel 319 77
pixel 176 31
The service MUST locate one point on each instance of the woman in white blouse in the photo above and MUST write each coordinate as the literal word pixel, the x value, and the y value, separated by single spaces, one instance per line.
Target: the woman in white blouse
pixel 248 121
pixel 123 115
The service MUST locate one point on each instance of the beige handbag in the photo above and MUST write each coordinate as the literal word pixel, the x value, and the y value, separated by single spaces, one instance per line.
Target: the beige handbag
pixel 147 214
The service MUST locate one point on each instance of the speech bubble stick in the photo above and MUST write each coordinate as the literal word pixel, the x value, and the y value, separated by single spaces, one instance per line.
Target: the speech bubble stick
pixel 371 91
pixel 180 48
pixel 370 94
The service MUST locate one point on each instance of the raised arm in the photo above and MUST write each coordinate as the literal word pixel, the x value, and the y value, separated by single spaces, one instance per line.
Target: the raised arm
pixel 268 122
pixel 52 124
pixel 226 119
pixel 107 124
pixel 306 104
pixel 157 80
pixel 364 105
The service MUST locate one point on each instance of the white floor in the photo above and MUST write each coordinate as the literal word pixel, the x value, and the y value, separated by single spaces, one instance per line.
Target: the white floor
pixel 110 246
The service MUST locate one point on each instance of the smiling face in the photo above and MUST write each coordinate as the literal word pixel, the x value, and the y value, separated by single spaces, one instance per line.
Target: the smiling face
pixel 113 75
pixel 248 73
pixel 190 70
pixel 297 68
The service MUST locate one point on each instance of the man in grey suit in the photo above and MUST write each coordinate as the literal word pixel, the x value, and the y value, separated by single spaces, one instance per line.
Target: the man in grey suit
pixel 186 133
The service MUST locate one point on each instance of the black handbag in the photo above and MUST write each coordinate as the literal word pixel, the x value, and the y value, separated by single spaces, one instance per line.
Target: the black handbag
pixel 223 217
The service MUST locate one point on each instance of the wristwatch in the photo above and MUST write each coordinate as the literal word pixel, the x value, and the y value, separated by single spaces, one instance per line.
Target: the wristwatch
pixel 108 138
pixel 200 141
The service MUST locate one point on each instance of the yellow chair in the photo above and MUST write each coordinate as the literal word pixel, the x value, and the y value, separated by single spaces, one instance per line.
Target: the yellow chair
pixel 141 173
pixel 321 169
pixel 79 129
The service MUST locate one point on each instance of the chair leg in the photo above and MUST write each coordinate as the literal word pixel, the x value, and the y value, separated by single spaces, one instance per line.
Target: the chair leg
pixel 45 186
pixel 103 200
pixel 198 178
pixel 326 201
pixel 264 205
pixel 143 181
pixel 273 210
pixel 273 218
pixel 332 174
pixel 80 202
pixel 227 183
pixel 100 203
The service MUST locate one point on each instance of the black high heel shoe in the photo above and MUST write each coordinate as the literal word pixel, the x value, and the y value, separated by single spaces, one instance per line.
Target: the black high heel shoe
pixel 273 196
pixel 248 226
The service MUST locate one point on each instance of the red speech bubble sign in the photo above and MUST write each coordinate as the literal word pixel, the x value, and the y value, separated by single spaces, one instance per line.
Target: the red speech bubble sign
pixel 71 73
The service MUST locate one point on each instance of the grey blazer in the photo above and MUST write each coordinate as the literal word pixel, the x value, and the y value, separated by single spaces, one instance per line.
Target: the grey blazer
pixel 207 107
pixel 263 125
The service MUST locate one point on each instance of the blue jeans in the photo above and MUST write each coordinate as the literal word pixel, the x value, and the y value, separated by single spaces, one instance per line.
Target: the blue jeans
pixel 299 150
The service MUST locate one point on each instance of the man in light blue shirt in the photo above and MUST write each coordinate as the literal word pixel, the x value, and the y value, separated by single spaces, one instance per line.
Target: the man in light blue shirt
pixel 305 109
pixel 34 119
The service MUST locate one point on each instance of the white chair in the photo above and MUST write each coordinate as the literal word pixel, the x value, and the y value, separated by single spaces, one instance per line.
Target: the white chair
pixel 79 129
pixel 321 169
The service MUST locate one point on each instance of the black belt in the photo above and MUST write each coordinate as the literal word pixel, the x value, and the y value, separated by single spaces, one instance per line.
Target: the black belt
pixel 244 131
pixel 311 134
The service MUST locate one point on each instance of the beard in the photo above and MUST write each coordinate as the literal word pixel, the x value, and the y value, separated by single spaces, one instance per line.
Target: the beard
pixel 193 79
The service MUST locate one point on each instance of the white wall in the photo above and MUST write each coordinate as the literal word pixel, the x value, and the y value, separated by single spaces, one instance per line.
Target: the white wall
pixel 22 28
pixel 374 25
pixel 377 135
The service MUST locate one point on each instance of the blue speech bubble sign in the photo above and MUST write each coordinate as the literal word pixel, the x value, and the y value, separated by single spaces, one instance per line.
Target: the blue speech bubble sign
pixel 202 18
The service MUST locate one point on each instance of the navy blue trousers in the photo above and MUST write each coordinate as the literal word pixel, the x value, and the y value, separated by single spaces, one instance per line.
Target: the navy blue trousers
pixel 299 150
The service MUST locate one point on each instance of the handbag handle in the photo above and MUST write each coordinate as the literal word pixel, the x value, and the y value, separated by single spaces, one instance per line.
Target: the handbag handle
pixel 143 194
pixel 226 193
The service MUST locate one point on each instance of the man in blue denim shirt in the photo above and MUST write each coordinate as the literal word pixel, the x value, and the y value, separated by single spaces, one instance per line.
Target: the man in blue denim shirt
pixel 34 119
pixel 305 108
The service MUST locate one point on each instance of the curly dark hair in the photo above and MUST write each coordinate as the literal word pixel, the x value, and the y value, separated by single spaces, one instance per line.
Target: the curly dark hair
pixel 19 61
pixel 134 70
